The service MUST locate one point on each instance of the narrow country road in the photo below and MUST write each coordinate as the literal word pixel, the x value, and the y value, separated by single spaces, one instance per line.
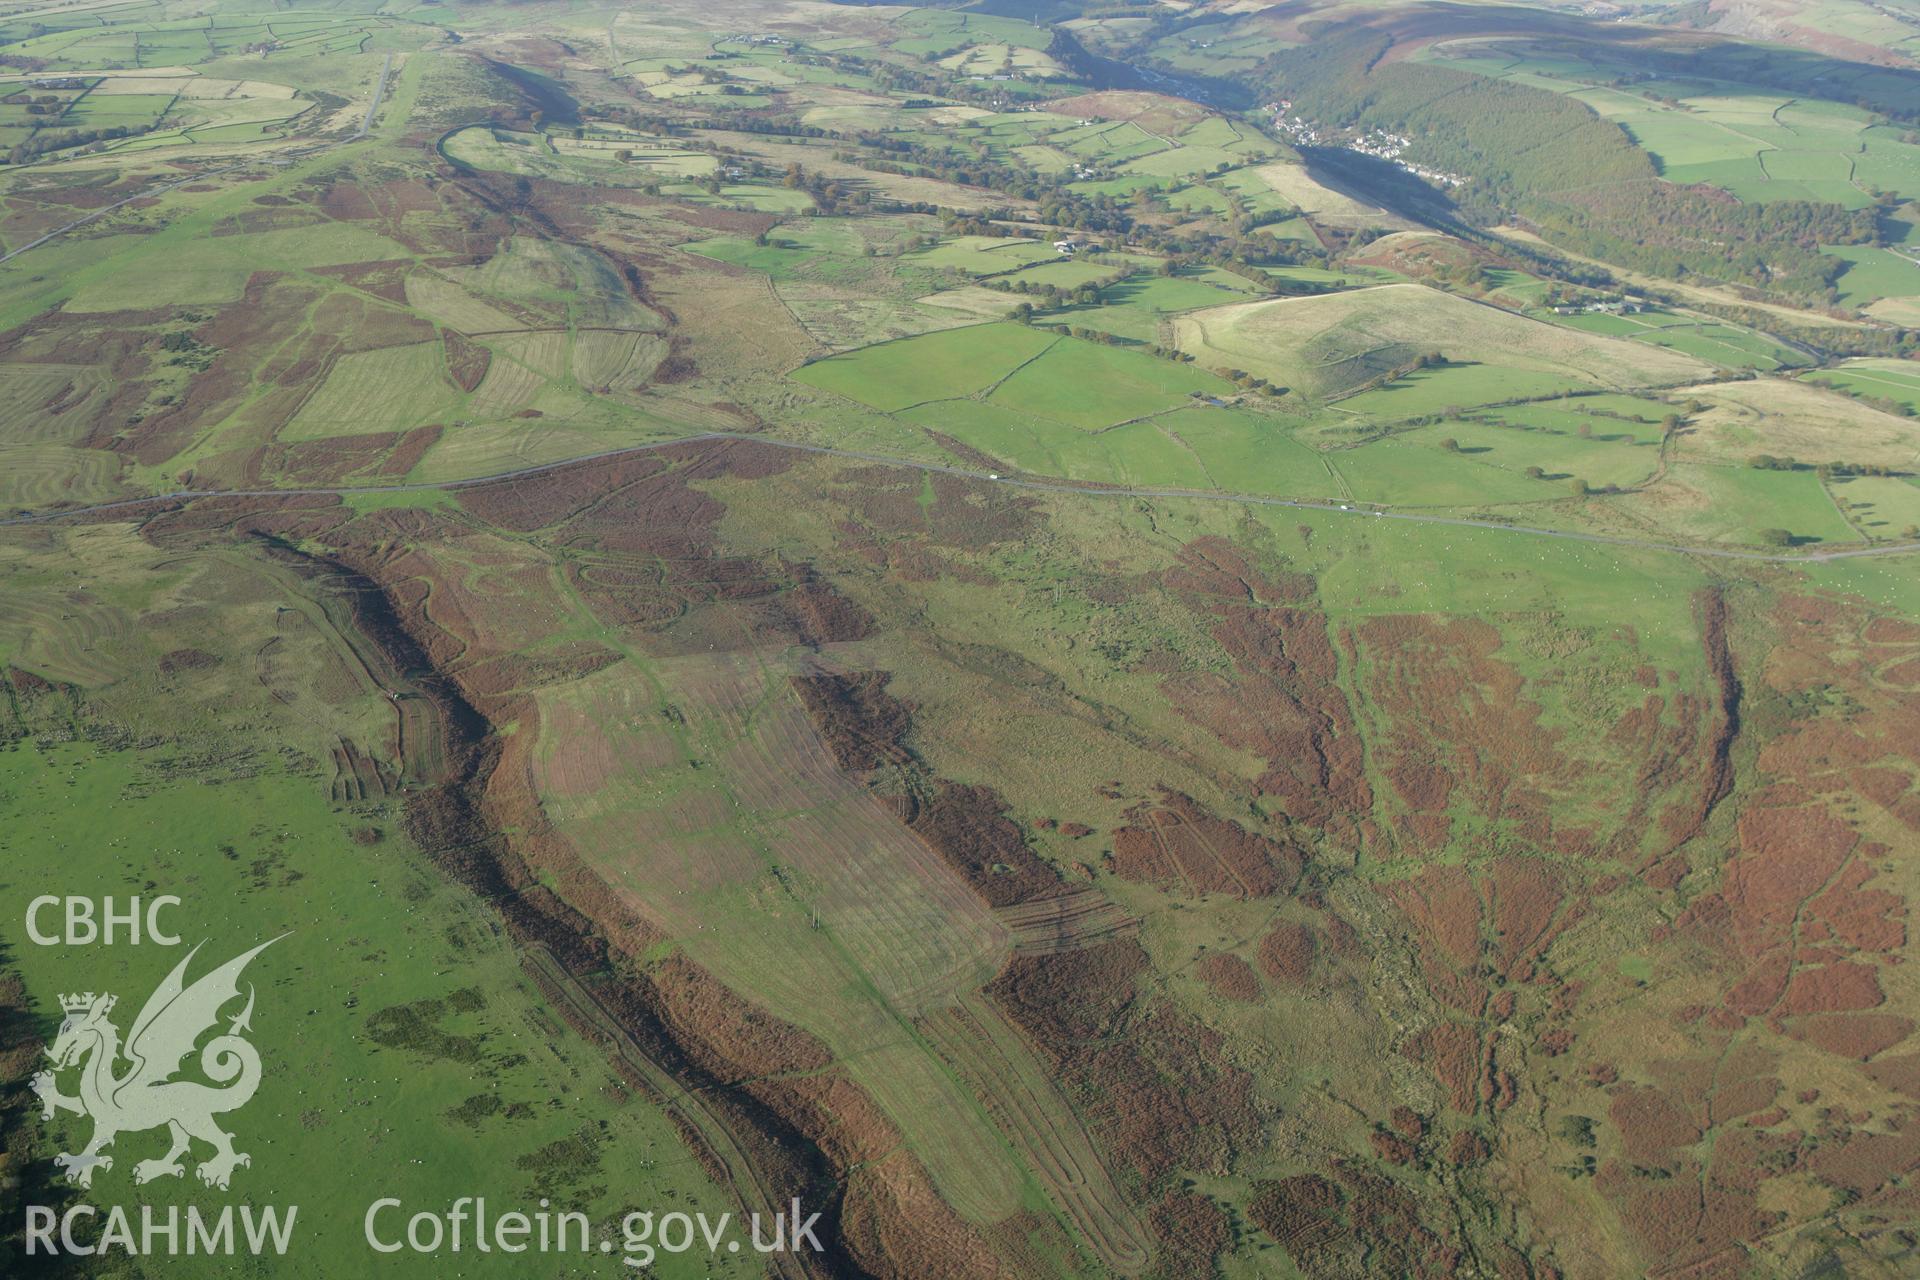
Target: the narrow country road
pixel 1012 482
pixel 379 92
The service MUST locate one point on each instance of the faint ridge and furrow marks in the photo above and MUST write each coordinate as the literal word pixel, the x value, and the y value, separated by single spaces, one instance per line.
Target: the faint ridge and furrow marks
pixel 357 776
pixel 1078 918
pixel 1004 1073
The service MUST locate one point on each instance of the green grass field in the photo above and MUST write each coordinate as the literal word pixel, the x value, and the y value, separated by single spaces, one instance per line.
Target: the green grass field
pixel 393 389
pixel 935 366
pixel 397 1031
pixel 1187 448
pixel 1414 472
pixel 783 257
pixel 1454 387
pixel 1137 307
pixel 1090 386
pixel 1873 274
pixel 1735 504
pixel 190 269
pixel 985 255
pixel 1604 417
pixel 537 155
pixel 1598 461
pixel 38 476
pixel 1721 345
pixel 1882 506
pixel 1896 380
pixel 1071 273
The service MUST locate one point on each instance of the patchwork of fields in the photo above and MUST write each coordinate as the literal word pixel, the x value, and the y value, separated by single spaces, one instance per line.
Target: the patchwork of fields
pixel 1093 643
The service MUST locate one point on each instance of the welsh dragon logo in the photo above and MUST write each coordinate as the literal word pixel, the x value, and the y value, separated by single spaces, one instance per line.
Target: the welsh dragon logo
pixel 145 1095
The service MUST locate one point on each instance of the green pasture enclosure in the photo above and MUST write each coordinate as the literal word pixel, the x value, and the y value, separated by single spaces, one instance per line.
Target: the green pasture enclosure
pixel 934 366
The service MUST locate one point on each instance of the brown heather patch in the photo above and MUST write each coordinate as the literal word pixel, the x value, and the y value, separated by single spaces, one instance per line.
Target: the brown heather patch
pixel 1391 1147
pixel 1353 1221
pixel 1527 896
pixel 1228 976
pixel 189 659
pixel 968 826
pixel 363 325
pixel 1193 1232
pixel 757 1044
pixel 1287 953
pixel 907 559
pixel 1454 709
pixel 522 673
pixel 1837 986
pixel 1683 1218
pixel 818 613
pixel 679 366
pixel 326 462
pixel 895 1224
pixel 347 202
pixel 243 335
pixel 1884 630
pixel 1179 845
pixel 1467 1148
pixel 253 221
pixel 713 218
pixel 1283 704
pixel 467 361
pixel 1152 1083
pixel 1168 1099
pixel 1852 1035
pixel 862 724
pixel 1864 1162
pixel 1072 997
pixel 407 453
pixel 75 191
pixel 1900 1073
pixel 586 498
pixel 1303 1214
pixel 187 523
pixel 1443 903
pixel 1651 1124
pixel 385 280
pixel 1472 932
pixel 1855 915
pixel 1787 856
pixel 1443 907
pixel 966 515
pixel 657 534
pixel 1456 1055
